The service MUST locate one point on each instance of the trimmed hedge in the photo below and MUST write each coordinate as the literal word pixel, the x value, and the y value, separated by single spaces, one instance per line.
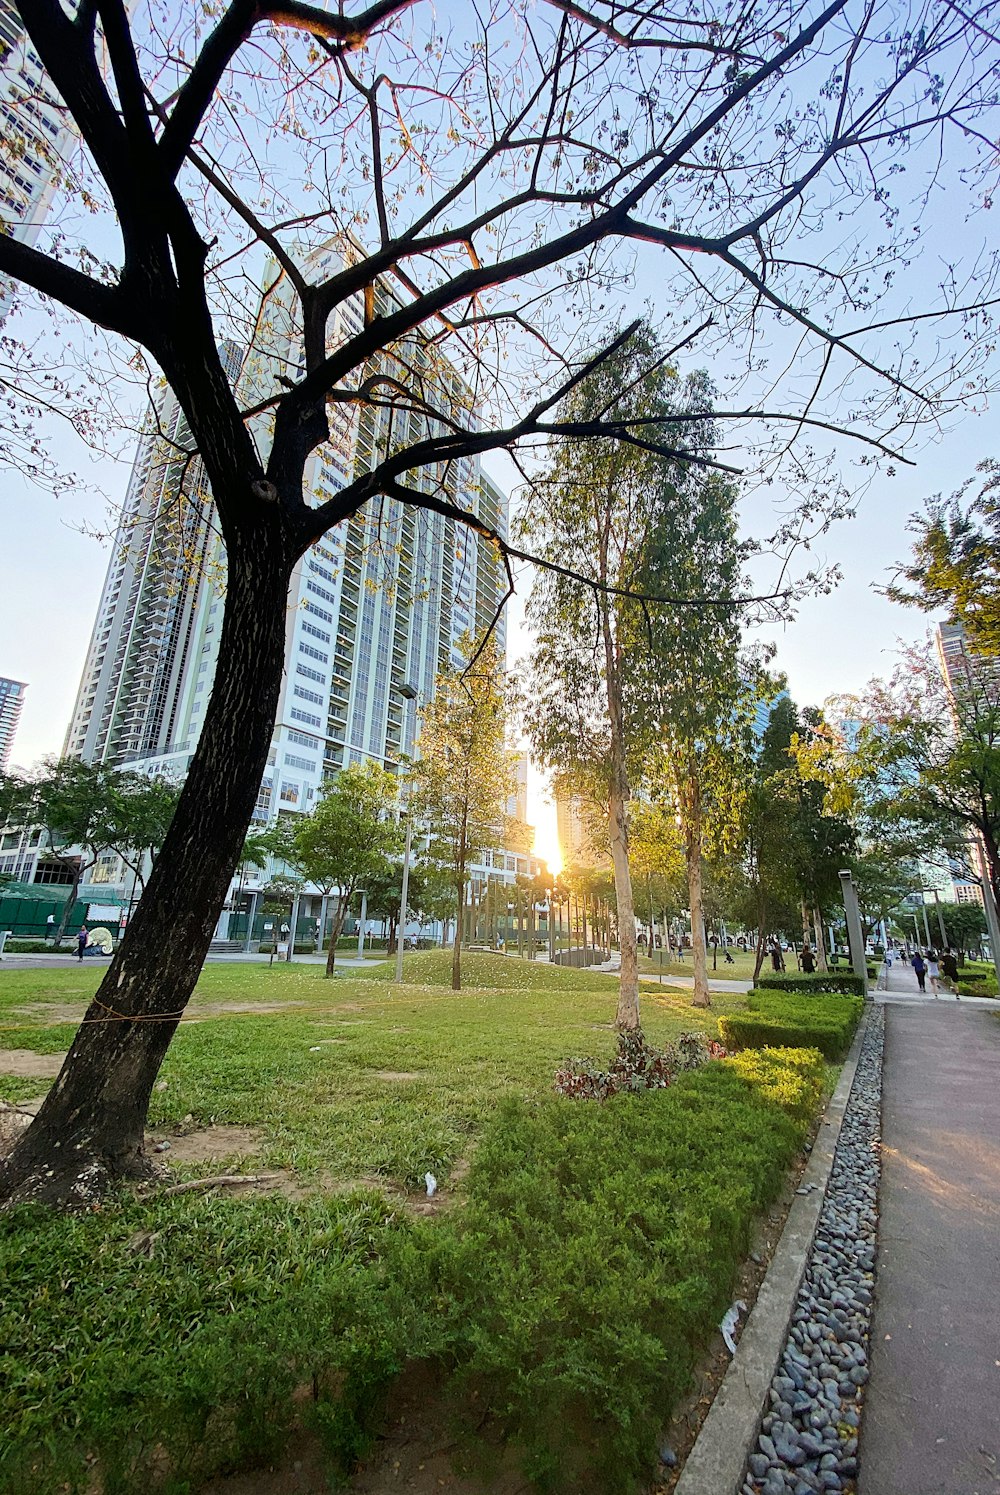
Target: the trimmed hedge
pixel 776 1020
pixel 820 981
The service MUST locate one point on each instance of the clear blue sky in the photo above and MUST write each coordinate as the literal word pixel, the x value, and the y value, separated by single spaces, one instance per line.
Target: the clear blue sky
pixel 53 571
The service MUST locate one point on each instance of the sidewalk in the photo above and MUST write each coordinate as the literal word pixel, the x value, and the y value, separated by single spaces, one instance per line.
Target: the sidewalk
pixel 931 1425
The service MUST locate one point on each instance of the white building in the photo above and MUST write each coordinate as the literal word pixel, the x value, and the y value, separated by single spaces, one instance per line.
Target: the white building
pixel 34 139
pixel 379 604
pixel 11 701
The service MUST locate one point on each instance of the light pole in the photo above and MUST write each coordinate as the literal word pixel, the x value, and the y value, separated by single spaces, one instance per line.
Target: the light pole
pixel 409 693
pixel 361 922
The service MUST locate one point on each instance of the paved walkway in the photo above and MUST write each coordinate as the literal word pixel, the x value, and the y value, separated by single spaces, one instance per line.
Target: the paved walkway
pixel 932 1418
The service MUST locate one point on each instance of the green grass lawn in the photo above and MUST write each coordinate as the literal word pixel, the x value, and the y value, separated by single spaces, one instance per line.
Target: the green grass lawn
pixel 740 970
pixel 566 1286
pixel 312 1076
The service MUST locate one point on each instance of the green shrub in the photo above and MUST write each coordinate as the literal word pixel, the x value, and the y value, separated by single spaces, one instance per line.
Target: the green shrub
pixel 599 1250
pixel 976 985
pixel 776 1020
pixel 164 1342
pixel 161 1342
pixel 844 982
pixel 791 1078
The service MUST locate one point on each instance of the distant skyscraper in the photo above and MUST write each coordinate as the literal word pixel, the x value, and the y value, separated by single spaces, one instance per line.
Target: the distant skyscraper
pixel 961 670
pixel 762 715
pixel 575 841
pixel 33 138
pixel 11 701
pixel 160 597
pixel 381 602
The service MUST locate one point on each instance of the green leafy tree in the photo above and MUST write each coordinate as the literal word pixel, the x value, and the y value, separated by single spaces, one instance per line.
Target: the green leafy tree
pixel 346 839
pixel 955 563
pixel 78 808
pixel 766 900
pixel 464 773
pixel 964 925
pixel 142 812
pixel 602 521
pixel 468 200
pixel 921 762
pixel 697 682
pixel 656 858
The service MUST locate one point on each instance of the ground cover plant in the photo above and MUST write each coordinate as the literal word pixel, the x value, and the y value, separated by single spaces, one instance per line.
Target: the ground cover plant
pixel 161 1339
pixel 777 1019
pixel 594 1253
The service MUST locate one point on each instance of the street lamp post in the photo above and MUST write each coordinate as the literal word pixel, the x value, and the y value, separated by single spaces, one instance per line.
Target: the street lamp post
pixel 409 693
pixel 361 922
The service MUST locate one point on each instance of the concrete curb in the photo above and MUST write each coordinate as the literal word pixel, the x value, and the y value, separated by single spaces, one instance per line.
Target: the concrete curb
pixel 717 1463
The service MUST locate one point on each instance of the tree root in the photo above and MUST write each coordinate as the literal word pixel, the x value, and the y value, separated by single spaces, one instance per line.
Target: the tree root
pixel 219 1181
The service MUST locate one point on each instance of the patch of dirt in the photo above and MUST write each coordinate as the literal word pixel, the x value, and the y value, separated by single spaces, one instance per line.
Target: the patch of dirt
pixel 416 1451
pixel 53 1012
pixel 27 1062
pixel 399 1074
pixel 210 1144
pixel 213 1009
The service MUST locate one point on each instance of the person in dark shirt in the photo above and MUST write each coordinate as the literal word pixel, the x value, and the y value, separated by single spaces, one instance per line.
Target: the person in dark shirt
pixel 808 960
pixel 949 970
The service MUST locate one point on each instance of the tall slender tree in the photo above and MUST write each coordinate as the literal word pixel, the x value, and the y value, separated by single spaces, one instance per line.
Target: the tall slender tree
pixel 591 715
pixel 465 773
pixel 481 210
pixel 698 686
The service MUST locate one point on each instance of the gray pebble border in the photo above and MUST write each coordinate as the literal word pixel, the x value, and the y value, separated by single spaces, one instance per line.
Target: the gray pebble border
pixel 809 1434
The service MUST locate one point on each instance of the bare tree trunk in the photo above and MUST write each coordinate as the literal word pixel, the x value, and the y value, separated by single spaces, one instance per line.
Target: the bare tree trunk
pixel 89 1131
pixel 337 929
pixel 821 960
pixel 78 870
pixel 761 930
pixel 627 1016
pixel 758 963
pixel 456 951
pixel 691 811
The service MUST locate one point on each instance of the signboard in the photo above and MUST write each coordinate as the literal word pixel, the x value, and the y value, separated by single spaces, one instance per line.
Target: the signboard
pixel 112 912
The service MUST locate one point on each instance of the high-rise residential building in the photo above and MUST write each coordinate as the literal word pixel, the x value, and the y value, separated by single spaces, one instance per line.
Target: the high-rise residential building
pixel 160 603
pixel 961 671
pixel 575 839
pixel 375 610
pixel 11 701
pixel 34 138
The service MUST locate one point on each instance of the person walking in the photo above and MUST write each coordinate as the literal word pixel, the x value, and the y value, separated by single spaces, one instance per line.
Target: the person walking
pixel 919 969
pixel 949 970
pixel 81 943
pixel 934 972
pixel 808 960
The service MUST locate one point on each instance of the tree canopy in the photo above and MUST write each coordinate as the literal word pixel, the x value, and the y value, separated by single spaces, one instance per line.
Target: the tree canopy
pixel 413 209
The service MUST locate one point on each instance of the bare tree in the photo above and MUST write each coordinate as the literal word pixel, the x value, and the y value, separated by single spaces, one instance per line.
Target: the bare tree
pixel 492 189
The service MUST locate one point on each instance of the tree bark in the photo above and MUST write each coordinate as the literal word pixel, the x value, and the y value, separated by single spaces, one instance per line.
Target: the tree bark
pixel 627 1016
pixel 456 949
pixel 89 1131
pixel 821 960
pixel 336 929
pixel 691 812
